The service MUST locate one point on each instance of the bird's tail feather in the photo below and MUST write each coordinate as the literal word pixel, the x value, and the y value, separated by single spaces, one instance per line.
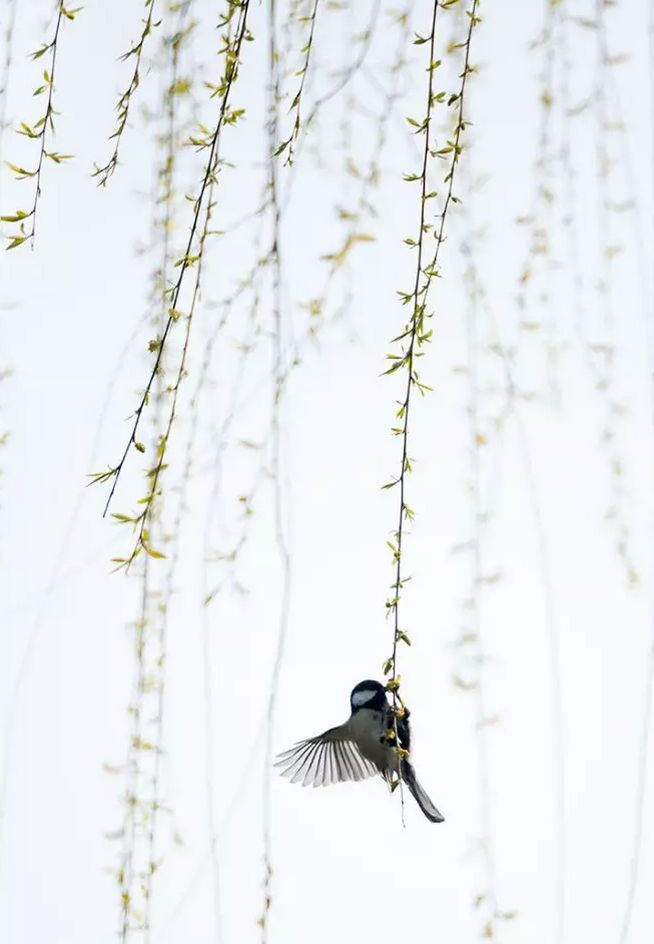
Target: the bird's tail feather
pixel 419 794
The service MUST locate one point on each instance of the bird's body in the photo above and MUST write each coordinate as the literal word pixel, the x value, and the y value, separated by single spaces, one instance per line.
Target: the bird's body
pixel 363 746
pixel 368 729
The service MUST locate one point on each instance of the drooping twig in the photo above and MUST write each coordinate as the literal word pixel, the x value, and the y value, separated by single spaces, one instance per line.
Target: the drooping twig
pixel 288 144
pixel 416 334
pixel 39 131
pixel 135 53
pixel 191 256
pixel 276 470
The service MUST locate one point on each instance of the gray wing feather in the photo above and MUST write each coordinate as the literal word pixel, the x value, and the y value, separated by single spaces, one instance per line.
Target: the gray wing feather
pixel 332 757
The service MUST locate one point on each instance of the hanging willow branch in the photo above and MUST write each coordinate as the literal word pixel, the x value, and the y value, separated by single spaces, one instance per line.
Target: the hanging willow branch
pixel 125 100
pixel 39 131
pixel 296 104
pixel 140 521
pixel 278 496
pixel 233 41
pixel 159 643
pixel 416 334
pixel 141 856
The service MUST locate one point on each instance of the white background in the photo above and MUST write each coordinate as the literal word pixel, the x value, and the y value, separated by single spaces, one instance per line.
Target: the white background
pixel 344 868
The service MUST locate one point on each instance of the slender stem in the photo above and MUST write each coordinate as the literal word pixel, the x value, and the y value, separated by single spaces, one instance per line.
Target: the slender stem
pixel 280 530
pixel 232 60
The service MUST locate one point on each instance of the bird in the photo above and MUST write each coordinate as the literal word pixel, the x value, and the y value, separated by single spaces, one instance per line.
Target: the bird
pixel 360 748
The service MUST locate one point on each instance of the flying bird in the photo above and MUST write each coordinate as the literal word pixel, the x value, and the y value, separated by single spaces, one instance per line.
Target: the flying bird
pixel 360 748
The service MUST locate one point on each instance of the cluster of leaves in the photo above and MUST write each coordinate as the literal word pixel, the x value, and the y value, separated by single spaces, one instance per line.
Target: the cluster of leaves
pixel 39 130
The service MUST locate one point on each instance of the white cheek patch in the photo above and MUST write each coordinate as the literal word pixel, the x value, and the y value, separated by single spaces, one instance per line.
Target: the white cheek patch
pixel 362 697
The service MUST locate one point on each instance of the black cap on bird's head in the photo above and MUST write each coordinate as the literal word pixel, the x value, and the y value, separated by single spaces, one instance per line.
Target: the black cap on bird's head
pixel 368 694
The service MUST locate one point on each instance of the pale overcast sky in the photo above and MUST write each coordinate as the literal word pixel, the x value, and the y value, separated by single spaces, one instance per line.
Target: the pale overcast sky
pixel 558 498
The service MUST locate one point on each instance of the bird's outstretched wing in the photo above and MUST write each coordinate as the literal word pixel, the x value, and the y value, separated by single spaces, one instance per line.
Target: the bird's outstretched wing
pixel 329 758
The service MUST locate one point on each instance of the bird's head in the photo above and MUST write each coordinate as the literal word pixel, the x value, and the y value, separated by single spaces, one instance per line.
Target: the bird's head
pixel 368 694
